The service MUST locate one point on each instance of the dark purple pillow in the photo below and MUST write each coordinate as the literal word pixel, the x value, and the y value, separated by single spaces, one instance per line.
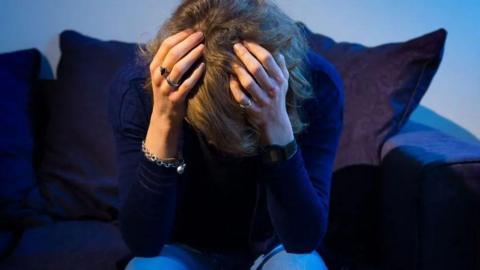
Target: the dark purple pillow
pixel 383 85
pixel 78 171
pixel 18 74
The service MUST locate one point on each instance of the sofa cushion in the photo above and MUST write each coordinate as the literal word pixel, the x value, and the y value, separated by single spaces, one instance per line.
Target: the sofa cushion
pixel 78 171
pixel 69 245
pixel 18 73
pixel 383 85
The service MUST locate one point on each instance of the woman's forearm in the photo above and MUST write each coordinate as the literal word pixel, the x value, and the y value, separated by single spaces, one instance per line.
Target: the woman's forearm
pixel 147 215
pixel 162 137
pixel 298 209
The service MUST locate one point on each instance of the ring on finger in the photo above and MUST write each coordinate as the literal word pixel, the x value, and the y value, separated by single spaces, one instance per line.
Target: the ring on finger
pixel 249 104
pixel 173 84
pixel 164 71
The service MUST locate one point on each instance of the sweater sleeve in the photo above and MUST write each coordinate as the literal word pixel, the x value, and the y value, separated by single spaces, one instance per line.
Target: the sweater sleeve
pixel 147 191
pixel 298 189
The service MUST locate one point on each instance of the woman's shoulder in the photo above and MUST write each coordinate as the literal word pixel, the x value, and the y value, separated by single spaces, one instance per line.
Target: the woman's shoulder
pixel 129 103
pixel 327 86
pixel 323 68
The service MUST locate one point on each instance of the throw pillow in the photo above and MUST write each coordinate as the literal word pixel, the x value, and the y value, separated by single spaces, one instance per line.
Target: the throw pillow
pixel 18 74
pixel 383 85
pixel 78 172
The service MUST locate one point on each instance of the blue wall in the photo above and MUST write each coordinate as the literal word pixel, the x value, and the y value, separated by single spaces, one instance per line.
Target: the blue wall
pixel 451 104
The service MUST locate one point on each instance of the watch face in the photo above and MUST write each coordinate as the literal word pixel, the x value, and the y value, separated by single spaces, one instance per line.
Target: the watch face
pixel 275 154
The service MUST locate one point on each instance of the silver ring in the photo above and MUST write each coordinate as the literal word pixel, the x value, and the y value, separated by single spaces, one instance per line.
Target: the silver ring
pixel 248 105
pixel 164 71
pixel 174 85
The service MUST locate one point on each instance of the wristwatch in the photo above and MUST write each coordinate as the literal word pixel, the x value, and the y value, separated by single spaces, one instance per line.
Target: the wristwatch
pixel 274 153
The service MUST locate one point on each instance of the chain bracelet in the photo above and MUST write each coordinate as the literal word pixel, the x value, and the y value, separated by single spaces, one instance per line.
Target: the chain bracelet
pixel 179 163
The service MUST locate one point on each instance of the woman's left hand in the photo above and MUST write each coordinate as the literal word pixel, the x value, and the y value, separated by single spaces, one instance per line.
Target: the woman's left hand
pixel 267 83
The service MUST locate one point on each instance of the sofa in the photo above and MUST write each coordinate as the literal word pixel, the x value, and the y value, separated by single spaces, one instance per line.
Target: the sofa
pixel 404 195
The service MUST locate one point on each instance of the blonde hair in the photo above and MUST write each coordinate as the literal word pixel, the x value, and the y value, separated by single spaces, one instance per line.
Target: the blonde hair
pixel 211 108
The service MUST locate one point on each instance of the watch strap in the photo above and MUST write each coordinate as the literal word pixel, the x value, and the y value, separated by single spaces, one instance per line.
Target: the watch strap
pixel 274 153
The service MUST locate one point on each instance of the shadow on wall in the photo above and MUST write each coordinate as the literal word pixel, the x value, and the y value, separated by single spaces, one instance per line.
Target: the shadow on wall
pixel 51 52
pixel 428 117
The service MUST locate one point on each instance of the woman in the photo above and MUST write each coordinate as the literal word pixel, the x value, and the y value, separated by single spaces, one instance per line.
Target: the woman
pixel 226 150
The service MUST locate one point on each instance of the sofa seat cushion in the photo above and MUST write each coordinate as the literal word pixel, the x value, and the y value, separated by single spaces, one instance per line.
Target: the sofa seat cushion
pixel 68 245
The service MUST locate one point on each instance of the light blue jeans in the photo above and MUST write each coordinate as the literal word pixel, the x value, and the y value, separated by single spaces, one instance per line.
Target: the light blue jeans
pixel 182 257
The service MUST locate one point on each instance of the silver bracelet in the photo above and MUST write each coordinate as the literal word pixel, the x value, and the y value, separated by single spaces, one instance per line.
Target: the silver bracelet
pixel 179 163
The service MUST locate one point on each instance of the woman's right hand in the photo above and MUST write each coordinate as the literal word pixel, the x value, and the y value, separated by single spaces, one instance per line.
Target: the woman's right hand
pixel 177 54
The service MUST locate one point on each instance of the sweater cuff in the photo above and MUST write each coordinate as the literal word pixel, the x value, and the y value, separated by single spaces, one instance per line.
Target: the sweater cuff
pixel 154 176
pixel 283 168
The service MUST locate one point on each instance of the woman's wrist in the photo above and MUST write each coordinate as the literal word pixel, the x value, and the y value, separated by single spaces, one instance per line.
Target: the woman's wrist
pixel 162 139
pixel 279 134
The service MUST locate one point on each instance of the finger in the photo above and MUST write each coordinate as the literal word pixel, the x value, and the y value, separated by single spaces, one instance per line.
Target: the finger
pixel 188 84
pixel 239 95
pixel 236 91
pixel 283 66
pixel 249 84
pixel 166 45
pixel 157 78
pixel 266 58
pixel 181 49
pixel 185 63
pixel 253 66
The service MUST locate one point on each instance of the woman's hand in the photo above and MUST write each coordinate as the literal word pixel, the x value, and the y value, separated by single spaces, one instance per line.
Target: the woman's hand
pixel 174 58
pixel 267 84
pixel 176 54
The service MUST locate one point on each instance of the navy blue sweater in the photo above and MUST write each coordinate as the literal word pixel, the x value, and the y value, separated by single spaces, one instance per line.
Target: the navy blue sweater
pixel 224 203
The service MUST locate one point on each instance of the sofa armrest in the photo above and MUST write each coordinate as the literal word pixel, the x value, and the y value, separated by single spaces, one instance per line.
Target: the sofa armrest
pixel 430 201
pixel 430 146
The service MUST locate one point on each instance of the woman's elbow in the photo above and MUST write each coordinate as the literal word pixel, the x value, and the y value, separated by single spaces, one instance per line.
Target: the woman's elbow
pixel 307 243
pixel 310 235
pixel 141 246
pixel 140 241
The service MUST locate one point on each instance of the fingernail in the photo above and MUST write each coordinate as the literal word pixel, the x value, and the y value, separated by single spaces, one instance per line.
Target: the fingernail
pixel 237 46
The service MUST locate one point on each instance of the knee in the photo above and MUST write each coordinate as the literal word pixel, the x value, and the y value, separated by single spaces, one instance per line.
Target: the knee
pixel 285 260
pixel 159 262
